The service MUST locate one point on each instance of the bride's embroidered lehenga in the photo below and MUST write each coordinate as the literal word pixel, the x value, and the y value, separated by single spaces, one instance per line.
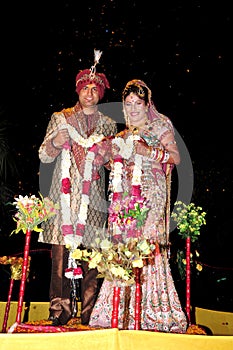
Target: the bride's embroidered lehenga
pixel 161 309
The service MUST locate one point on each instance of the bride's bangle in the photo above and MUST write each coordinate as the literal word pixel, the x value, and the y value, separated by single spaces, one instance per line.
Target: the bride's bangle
pixel 165 157
pixel 160 155
pixel 154 153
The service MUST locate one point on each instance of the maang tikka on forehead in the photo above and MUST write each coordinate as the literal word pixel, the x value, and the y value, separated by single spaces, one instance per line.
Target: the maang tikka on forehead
pixel 141 92
pixel 134 86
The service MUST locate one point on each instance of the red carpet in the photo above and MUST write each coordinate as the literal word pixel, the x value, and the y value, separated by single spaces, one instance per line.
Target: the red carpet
pixel 45 326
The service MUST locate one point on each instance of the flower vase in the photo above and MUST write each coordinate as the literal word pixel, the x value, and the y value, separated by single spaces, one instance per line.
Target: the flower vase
pixel 137 311
pixel 115 306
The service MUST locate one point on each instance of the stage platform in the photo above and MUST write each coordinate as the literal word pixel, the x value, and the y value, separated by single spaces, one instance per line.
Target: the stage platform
pixel 113 339
pixel 220 324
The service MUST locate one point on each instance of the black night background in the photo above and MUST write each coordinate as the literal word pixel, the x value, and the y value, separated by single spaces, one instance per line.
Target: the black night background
pixel 182 50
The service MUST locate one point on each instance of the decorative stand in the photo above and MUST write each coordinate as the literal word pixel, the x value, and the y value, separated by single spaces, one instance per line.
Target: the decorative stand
pixel 24 276
pixel 115 306
pixel 7 308
pixel 137 314
pixel 126 307
pixel 16 274
pixel 137 310
pixel 188 273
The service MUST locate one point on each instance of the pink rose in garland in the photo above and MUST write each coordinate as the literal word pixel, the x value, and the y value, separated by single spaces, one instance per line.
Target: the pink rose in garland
pixel 74 272
pixel 65 185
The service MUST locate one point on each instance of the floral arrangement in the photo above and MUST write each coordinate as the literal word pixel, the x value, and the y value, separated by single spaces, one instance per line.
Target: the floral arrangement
pixel 189 219
pixel 116 262
pixel 181 262
pixel 16 265
pixel 32 211
pixel 129 213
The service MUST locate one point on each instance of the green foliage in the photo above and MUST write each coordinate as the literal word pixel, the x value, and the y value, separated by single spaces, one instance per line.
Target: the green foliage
pixel 181 262
pixel 189 219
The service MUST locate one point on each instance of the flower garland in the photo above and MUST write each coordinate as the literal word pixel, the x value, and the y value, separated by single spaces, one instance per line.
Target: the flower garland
pixel 85 143
pixel 87 177
pixel 126 148
pixel 127 213
pixel 133 217
pixel 70 238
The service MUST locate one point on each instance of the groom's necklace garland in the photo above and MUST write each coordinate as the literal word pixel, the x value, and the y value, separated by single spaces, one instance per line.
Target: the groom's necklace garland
pixel 72 239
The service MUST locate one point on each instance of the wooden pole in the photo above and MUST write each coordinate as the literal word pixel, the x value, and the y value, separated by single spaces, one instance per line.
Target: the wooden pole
pixel 188 279
pixel 115 306
pixel 7 308
pixel 137 313
pixel 24 276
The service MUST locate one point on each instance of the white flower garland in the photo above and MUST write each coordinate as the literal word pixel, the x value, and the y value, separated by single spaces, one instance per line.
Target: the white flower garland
pixel 86 143
pixel 116 181
pixel 126 146
pixel 137 170
pixel 82 216
pixel 65 197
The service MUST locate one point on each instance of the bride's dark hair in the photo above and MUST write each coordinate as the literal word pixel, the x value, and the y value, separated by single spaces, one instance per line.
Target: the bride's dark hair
pixel 135 87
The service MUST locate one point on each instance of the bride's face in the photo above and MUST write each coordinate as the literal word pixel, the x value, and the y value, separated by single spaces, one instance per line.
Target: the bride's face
pixel 135 109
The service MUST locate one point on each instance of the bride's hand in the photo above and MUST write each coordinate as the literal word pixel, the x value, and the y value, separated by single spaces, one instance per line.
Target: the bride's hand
pixel 141 147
